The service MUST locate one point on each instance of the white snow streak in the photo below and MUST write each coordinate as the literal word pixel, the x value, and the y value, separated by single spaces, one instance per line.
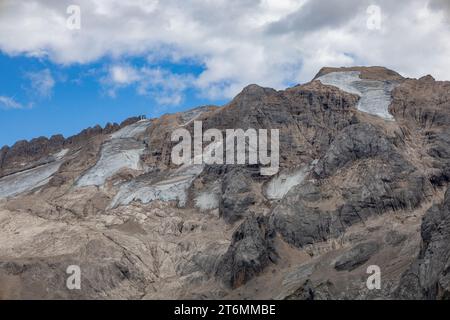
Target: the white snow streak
pixel 122 151
pixel 375 95
pixel 280 185
pixel 28 180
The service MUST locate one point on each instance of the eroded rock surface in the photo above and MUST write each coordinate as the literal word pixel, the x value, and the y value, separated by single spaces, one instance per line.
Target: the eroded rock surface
pixel 363 180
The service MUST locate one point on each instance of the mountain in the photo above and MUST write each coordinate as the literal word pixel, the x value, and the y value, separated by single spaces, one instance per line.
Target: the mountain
pixel 362 184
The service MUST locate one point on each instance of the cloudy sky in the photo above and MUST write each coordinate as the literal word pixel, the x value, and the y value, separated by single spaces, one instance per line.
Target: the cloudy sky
pixel 61 72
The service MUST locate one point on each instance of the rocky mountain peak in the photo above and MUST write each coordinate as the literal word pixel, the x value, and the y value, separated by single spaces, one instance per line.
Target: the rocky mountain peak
pixel 369 73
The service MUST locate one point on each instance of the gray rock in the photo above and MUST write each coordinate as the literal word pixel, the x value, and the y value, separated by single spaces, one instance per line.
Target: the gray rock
pixel 104 268
pixel 301 225
pixel 237 195
pixel 395 238
pixel 309 290
pixel 356 256
pixel 250 251
pixel 428 276
pixel 354 142
pixel 381 188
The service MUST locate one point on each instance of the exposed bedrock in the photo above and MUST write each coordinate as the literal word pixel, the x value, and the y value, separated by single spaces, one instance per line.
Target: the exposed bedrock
pixel 429 276
pixel 105 268
pixel 439 149
pixel 351 191
pixel 237 194
pixel 422 103
pixel 300 223
pixel 22 153
pixel 355 142
pixel 250 251
pixel 423 106
pixel 370 177
pixel 356 256
pixel 307 116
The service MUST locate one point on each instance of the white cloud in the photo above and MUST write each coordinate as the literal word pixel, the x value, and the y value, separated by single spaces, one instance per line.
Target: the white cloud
pixel 41 83
pixel 123 75
pixel 270 42
pixel 166 87
pixel 10 103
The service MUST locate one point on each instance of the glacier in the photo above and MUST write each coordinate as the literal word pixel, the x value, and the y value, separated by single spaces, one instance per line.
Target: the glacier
pixel 27 180
pixel 375 95
pixel 172 189
pixel 123 150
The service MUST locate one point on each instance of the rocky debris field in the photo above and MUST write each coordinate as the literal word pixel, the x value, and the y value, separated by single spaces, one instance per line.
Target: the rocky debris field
pixel 363 181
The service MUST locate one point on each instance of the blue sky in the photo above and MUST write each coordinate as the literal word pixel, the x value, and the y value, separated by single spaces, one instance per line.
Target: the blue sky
pixel 64 69
pixel 78 98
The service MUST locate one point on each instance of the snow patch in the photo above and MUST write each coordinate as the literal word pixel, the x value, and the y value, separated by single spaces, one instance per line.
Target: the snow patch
pixel 115 155
pixel 189 116
pixel 280 185
pixel 172 189
pixel 122 151
pixel 375 95
pixel 132 131
pixel 28 180
pixel 61 154
pixel 207 201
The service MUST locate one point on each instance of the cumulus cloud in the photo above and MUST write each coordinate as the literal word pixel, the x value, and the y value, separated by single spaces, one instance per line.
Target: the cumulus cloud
pixel 166 87
pixel 123 75
pixel 273 43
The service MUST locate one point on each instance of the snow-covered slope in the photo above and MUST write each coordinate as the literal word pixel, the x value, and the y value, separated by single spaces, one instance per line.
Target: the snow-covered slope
pixel 122 151
pixel 27 180
pixel 172 189
pixel 30 179
pixel 131 131
pixel 375 95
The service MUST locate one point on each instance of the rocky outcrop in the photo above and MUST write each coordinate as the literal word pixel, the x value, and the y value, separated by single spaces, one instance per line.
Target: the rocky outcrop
pixel 369 73
pixel 423 106
pixel 355 142
pixel 359 152
pixel 307 116
pixel 237 195
pixel 250 251
pixel 301 224
pixel 22 153
pixel 105 267
pixel 429 276
pixel 356 256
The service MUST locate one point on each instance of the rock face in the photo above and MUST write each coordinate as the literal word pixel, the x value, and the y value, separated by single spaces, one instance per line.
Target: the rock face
pixel 355 142
pixel 428 277
pixel 250 251
pixel 361 152
pixel 364 164
pixel 357 256
pixel 237 195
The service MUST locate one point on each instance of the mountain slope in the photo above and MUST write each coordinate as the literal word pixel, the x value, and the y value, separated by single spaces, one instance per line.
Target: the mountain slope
pixel 364 158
